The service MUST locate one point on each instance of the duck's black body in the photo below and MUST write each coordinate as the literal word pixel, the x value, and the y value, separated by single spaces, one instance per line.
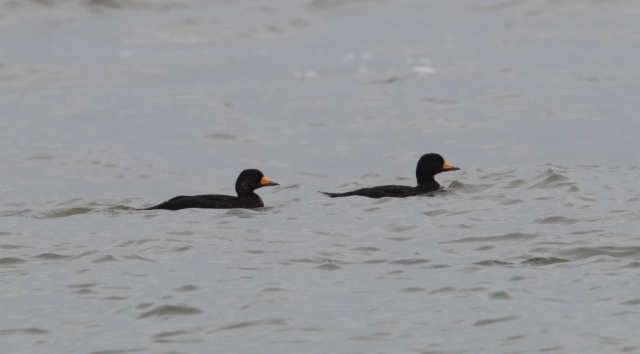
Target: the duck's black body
pixel 393 191
pixel 247 182
pixel 429 165
pixel 211 201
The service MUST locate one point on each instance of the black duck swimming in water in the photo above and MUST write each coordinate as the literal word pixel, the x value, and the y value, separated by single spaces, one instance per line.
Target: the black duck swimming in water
pixel 247 182
pixel 429 165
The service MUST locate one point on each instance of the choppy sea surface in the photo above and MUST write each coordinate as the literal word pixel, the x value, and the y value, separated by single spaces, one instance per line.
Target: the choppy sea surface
pixel 112 105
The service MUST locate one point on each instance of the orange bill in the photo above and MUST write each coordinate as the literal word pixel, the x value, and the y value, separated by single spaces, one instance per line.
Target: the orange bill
pixel 447 167
pixel 265 181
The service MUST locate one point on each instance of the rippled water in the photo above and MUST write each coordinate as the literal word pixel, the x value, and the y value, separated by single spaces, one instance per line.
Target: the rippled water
pixel 514 259
pixel 109 106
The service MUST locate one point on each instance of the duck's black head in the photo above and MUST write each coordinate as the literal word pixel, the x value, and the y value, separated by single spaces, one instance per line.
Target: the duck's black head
pixel 250 180
pixel 430 165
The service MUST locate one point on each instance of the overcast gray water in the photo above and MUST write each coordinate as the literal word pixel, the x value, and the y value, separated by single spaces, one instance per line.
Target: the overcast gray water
pixel 111 105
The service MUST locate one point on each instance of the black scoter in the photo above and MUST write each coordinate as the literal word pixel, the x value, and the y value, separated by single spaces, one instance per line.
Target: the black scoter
pixel 247 182
pixel 429 165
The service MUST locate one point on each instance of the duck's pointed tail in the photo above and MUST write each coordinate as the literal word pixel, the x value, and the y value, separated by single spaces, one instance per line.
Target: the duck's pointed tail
pixel 332 195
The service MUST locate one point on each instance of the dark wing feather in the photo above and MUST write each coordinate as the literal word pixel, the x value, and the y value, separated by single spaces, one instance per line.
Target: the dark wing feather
pixel 392 191
pixel 208 201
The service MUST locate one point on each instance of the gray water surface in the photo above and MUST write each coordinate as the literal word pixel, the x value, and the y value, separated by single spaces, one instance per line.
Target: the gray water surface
pixel 109 106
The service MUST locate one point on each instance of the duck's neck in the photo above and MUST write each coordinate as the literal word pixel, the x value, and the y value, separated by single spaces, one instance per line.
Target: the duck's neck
pixel 246 194
pixel 250 199
pixel 428 184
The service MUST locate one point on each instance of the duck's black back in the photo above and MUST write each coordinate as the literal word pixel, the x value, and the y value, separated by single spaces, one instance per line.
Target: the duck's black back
pixel 392 191
pixel 211 201
pixel 378 192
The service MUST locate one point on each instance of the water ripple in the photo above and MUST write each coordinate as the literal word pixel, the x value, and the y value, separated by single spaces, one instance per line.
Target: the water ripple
pixel 247 324
pixel 578 253
pixel 515 236
pixel 170 311
pixel 495 320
